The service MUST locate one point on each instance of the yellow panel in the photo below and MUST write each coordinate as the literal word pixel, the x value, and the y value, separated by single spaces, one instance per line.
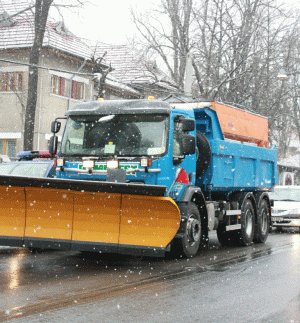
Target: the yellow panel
pixel 96 217
pixel 12 211
pixel 148 221
pixel 49 213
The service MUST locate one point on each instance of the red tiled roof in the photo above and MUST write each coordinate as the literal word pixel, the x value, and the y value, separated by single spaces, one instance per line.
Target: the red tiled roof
pixel 14 6
pixel 21 34
pixel 131 67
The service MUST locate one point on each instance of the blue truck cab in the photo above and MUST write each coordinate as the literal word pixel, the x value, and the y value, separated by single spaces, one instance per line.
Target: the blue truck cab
pixel 142 137
pixel 216 183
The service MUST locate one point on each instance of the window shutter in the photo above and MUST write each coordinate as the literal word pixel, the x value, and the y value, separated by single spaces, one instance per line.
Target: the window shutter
pixel 11 148
pixel 62 86
pixel 20 82
pixel 11 81
pixel 74 90
pixel 3 81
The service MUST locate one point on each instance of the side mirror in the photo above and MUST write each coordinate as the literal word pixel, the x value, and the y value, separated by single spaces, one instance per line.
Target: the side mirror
pixel 188 144
pixel 188 124
pixel 55 126
pixel 53 145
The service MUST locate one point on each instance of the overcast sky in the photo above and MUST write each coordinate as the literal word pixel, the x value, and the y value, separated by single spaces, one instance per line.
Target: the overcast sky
pixel 109 21
pixel 106 20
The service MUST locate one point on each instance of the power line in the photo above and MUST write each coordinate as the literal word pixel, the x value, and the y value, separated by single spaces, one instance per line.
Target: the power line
pixel 44 67
pixel 135 86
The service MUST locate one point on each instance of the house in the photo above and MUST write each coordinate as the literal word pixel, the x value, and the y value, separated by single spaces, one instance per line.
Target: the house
pixel 66 74
pixel 59 85
pixel 289 170
pixel 132 69
pixel 288 157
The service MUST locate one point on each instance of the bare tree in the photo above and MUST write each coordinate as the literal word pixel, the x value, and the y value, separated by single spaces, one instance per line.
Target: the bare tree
pixel 168 34
pixel 285 120
pixel 41 14
pixel 238 48
pixel 102 71
pixel 42 8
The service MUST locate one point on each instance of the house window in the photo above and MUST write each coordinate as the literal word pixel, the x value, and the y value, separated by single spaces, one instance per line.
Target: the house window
pixel 77 90
pixel 8 147
pixel 11 81
pixel 58 85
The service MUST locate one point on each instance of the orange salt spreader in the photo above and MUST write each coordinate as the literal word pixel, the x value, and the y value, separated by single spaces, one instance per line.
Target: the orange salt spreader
pixel 241 125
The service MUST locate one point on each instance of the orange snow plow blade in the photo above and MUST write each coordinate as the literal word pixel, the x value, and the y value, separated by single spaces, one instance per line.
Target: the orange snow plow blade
pixel 12 211
pixel 148 221
pixel 93 216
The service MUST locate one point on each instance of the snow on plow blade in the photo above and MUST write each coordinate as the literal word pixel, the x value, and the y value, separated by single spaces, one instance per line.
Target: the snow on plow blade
pixel 88 216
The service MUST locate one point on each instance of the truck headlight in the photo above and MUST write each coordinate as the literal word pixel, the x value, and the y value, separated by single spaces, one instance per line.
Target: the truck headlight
pixel 145 162
pixel 88 163
pixel 60 162
pixel 112 164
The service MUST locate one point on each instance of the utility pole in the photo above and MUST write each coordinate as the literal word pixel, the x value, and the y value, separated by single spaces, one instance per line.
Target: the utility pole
pixel 188 75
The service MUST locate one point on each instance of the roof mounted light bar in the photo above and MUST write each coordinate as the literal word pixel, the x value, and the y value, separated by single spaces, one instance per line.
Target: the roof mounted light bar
pixel 29 155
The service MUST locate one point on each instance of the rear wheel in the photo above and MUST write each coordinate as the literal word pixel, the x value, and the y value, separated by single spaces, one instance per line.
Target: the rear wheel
pixel 263 223
pixel 190 242
pixel 246 234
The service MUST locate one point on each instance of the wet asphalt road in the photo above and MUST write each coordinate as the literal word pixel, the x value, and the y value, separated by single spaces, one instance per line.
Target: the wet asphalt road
pixel 260 283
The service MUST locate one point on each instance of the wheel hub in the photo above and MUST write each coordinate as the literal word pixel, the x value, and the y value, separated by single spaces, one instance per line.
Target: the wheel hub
pixel 249 223
pixel 193 230
pixel 264 221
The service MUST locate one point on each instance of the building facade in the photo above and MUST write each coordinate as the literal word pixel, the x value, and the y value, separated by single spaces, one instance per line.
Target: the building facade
pixel 66 75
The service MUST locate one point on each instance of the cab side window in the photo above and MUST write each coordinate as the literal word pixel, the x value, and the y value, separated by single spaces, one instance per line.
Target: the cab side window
pixel 177 148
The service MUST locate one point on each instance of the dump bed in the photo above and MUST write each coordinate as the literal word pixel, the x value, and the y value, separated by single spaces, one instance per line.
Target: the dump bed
pixel 238 124
pixel 234 165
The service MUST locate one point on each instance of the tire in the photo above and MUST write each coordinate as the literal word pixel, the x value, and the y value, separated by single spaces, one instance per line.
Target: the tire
pixel 246 234
pixel 189 244
pixel 203 154
pixel 226 238
pixel 263 223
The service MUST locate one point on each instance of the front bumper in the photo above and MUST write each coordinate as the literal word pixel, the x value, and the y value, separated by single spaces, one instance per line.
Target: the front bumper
pixel 278 221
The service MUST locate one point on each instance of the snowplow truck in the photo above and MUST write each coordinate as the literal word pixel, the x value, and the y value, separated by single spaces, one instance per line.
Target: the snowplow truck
pixel 142 177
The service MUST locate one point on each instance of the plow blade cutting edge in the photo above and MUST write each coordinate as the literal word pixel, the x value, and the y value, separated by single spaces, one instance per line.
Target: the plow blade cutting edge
pixel 88 216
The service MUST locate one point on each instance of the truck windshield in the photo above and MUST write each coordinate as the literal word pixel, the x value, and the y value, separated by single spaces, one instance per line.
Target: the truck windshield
pixel 126 135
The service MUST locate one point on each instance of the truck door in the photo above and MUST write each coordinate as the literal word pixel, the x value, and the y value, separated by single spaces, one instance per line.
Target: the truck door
pixel 182 163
